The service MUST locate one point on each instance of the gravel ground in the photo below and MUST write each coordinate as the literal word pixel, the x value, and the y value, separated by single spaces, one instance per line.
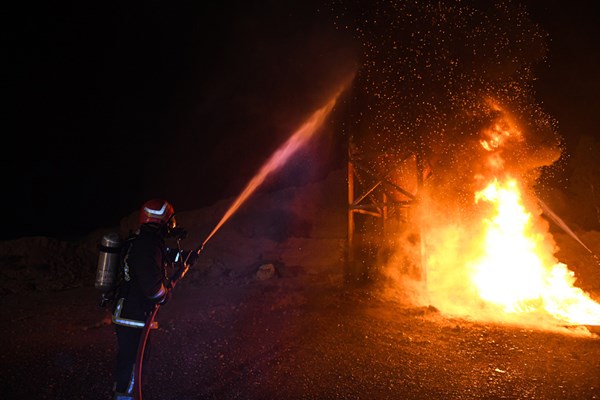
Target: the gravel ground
pixel 294 336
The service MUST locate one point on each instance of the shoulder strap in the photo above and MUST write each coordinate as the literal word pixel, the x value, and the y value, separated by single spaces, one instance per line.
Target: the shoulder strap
pixel 124 255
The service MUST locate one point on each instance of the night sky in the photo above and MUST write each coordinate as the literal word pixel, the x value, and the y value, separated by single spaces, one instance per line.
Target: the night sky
pixel 110 104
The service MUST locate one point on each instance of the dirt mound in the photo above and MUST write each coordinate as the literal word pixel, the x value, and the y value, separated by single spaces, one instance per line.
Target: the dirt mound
pixel 288 227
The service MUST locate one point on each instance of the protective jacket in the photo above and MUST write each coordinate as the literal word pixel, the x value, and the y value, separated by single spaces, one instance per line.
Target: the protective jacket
pixel 145 277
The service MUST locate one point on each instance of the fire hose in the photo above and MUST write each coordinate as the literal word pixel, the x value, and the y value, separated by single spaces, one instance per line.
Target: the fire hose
pixel 137 368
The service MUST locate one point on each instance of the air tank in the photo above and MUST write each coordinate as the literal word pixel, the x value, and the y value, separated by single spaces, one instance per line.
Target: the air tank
pixel 109 259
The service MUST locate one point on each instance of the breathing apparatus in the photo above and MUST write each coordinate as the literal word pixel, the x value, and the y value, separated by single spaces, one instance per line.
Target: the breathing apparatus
pixel 154 211
pixel 109 261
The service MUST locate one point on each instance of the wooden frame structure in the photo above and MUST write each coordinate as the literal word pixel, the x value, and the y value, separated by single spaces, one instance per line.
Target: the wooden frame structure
pixel 382 186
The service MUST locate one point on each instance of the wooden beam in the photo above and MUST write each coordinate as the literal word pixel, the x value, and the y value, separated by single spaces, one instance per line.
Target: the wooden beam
pixel 350 212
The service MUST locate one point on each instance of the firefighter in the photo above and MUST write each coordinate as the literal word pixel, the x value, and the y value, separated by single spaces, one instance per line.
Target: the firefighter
pixel 144 285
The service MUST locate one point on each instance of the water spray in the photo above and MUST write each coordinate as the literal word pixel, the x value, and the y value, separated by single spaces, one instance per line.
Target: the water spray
pixel 306 131
pixel 546 210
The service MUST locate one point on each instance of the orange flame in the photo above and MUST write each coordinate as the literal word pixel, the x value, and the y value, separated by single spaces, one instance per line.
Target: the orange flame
pixel 513 271
pixel 499 265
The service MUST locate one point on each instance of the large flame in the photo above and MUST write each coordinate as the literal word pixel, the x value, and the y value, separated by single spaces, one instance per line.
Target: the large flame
pixel 515 273
pixel 497 261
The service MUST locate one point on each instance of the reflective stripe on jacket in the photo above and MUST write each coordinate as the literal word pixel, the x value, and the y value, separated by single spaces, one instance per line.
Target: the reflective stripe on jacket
pixel 131 323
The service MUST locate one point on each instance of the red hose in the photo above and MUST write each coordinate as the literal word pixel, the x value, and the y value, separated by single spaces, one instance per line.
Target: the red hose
pixel 137 368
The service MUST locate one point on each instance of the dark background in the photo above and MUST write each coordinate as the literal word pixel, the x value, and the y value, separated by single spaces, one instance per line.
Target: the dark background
pixel 109 104
pixel 568 82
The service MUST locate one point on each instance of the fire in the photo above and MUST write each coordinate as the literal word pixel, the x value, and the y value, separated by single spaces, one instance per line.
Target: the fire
pixel 514 271
pixel 497 261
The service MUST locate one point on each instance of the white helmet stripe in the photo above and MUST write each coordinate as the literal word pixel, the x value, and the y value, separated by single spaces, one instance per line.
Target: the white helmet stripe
pixel 156 212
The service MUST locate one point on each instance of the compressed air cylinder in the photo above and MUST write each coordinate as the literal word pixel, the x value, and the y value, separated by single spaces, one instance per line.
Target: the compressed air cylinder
pixel 109 259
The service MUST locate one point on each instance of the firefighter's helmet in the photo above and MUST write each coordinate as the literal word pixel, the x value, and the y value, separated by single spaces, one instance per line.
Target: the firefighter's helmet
pixel 158 211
